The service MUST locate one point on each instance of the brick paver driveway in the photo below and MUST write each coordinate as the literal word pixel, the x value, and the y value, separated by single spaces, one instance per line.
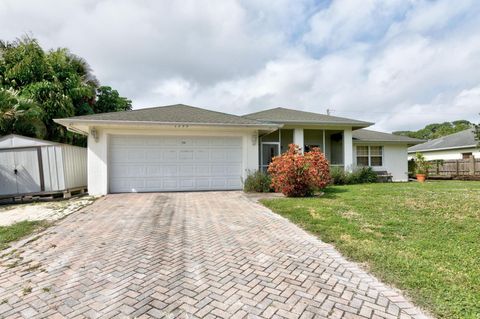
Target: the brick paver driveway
pixel 188 255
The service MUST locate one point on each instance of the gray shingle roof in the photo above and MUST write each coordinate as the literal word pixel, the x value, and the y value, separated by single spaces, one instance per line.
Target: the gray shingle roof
pixel 374 136
pixel 286 116
pixel 178 113
pixel 461 139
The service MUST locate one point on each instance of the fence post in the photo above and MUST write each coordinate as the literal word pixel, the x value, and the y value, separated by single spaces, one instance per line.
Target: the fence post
pixel 457 163
pixel 471 165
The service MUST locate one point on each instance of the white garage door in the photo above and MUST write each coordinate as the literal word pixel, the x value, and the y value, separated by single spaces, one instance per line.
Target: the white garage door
pixel 174 163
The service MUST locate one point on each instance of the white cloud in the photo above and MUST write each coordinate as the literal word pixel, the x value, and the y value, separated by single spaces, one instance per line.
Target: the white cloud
pixel 399 63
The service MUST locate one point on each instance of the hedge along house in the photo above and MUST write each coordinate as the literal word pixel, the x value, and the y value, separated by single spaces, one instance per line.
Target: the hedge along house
pixel 185 148
pixel 31 166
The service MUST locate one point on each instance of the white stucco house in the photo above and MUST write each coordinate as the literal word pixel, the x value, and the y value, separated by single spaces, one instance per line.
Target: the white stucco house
pixel 180 147
pixel 455 146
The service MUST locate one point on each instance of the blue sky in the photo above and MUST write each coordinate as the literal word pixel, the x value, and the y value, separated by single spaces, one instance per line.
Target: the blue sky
pixel 399 63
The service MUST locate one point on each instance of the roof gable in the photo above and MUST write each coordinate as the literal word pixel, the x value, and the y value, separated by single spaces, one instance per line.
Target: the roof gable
pixel 14 140
pixel 460 139
pixel 284 116
pixel 170 114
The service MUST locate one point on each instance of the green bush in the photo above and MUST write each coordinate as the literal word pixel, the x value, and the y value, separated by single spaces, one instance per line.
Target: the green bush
pixel 365 175
pixel 338 175
pixel 257 181
pixel 358 176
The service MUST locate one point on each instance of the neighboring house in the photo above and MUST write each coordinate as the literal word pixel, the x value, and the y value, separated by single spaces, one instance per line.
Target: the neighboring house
pixel 459 145
pixel 29 165
pixel 180 147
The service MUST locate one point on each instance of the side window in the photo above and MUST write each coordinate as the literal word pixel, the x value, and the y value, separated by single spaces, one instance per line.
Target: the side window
pixel 369 155
pixel 362 155
pixel 376 155
pixel 466 155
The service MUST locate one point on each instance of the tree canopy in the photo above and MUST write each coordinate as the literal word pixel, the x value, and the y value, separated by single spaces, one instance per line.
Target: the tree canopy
pixel 37 86
pixel 436 130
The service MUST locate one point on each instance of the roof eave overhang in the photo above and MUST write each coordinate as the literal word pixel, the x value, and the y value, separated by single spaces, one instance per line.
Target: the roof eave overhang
pixel 70 123
pixel 355 125
pixel 385 141
pixel 444 148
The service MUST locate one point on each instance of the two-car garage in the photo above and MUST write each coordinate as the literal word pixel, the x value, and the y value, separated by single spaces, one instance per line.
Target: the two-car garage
pixel 139 163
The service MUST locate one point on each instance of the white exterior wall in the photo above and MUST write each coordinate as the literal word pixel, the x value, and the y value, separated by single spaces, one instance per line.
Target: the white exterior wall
pixel 395 160
pixel 348 149
pixel 447 154
pixel 64 167
pixel 53 173
pixel 98 150
pixel 298 138
pixel 74 166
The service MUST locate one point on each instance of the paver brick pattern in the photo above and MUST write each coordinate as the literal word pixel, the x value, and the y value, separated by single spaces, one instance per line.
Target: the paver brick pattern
pixel 187 255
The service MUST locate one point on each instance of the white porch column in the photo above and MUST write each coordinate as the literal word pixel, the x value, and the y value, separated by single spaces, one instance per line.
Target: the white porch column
pixel 298 137
pixel 348 149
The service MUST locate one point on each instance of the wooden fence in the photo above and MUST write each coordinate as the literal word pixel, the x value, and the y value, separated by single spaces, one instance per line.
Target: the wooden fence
pixel 454 168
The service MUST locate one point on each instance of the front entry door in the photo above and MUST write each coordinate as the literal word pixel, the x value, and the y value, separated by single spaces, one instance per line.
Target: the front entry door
pixel 269 150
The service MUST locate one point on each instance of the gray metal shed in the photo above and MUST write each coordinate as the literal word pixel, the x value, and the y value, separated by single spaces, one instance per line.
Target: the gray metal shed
pixel 33 166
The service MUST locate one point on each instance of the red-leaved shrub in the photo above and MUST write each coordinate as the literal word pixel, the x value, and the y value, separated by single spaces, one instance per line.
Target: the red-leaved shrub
pixel 297 175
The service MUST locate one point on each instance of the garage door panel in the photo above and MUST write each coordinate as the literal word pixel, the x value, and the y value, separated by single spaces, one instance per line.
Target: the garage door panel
pixel 170 140
pixel 170 170
pixel 187 170
pixel 218 183
pixel 154 171
pixel 154 183
pixel 233 142
pixel 169 184
pixel 187 183
pixel 132 171
pixel 170 155
pixel 202 170
pixel 234 155
pixel 137 156
pixel 202 141
pixel 218 155
pixel 169 163
pixel 218 170
pixel 154 155
pixel 202 183
pixel 129 184
pixel 185 155
pixel 233 170
pixel 234 183
pixel 202 155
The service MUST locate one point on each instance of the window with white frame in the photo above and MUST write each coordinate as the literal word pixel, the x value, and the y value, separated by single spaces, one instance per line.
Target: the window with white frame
pixel 369 155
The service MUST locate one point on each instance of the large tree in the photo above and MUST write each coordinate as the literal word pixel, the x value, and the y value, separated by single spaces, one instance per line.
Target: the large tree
pixel 20 115
pixel 108 100
pixel 59 82
pixel 437 130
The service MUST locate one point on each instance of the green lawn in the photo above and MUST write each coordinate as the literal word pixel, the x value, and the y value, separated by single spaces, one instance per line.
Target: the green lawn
pixel 422 238
pixel 16 231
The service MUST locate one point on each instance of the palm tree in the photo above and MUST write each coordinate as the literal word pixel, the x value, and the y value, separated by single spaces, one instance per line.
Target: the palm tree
pixel 20 115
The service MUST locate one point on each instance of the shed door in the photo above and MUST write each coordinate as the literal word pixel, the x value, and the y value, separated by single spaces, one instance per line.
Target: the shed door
pixel 174 163
pixel 8 179
pixel 19 171
pixel 28 172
